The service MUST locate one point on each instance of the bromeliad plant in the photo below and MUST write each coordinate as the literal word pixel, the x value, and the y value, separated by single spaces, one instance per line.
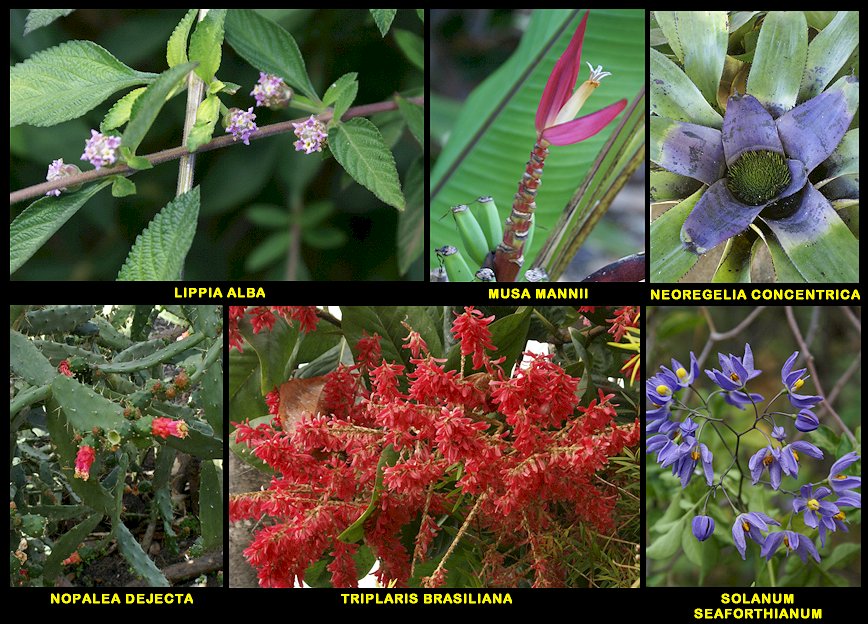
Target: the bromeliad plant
pixel 749 493
pixel 752 134
pixel 485 249
pixel 448 457
pixel 103 404
pixel 67 81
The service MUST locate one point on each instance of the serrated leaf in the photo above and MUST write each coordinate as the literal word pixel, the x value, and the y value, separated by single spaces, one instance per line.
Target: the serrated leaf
pixel 41 219
pixel 159 251
pixel 412 45
pixel 119 114
pixel 359 148
pixel 37 18
pixel 206 44
pixel 176 48
pixel 268 47
pixel 383 18
pixel 65 82
pixel 122 187
pixel 342 93
pixel 146 108
pixel 411 228
pixel 414 117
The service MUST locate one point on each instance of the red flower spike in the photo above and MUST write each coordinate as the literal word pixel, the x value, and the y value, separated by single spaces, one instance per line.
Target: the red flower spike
pixel 165 427
pixel 272 399
pixel 83 462
pixel 64 368
pixel 471 330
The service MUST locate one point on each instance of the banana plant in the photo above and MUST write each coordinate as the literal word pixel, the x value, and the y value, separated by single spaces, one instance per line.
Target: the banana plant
pixel 103 404
pixel 755 145
pixel 591 157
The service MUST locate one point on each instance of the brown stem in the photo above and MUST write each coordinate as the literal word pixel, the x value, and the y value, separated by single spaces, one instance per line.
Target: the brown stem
pixel 509 255
pixel 175 153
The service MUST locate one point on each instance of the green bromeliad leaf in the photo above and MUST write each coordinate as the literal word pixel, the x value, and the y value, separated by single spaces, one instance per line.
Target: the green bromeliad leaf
pixel 65 82
pixel 779 61
pixel 828 52
pixel 40 220
pixel 669 260
pixel 359 148
pixel 269 48
pixel 159 251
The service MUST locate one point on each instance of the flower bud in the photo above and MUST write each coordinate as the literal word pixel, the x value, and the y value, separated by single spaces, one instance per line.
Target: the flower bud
pixel 807 421
pixel 271 91
pixel 703 527
pixel 57 170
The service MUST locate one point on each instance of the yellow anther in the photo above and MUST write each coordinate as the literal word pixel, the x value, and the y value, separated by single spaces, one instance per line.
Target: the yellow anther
pixel 768 459
pixel 813 504
pixel 796 456
pixel 681 373
pixel 664 390
pixel 745 526
pixel 694 455
pixel 841 476
pixel 734 377
pixel 798 384
pixel 839 516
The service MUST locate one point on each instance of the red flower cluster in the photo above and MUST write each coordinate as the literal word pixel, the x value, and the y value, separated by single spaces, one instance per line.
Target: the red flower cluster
pixel 83 461
pixel 165 427
pixel 627 316
pixel 63 368
pixel 518 455
pixel 263 317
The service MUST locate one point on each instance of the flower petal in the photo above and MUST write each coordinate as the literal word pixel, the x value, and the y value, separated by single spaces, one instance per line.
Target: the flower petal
pixel 583 127
pixel 688 149
pixel 748 127
pixel 716 217
pixel 811 131
pixel 562 79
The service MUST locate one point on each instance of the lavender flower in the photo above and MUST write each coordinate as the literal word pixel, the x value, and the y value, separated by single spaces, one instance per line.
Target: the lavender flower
pixel 793 381
pixel 751 524
pixel 271 91
pixel 802 545
pixel 56 170
pixel 789 457
pixel 766 457
pixel 101 149
pixel 842 484
pixel 807 421
pixel 241 124
pixel 685 377
pixel 703 527
pixel 812 504
pixel 311 135
pixel 734 372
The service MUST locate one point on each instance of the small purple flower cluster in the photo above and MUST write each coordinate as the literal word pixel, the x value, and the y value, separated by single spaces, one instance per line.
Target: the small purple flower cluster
pixel 311 135
pixel 271 91
pixel 101 149
pixel 241 124
pixel 677 444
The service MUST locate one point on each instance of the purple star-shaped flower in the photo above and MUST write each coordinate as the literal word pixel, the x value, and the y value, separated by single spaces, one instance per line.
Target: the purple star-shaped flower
pixel 734 371
pixel 793 381
pixel 803 546
pixel 766 457
pixel 790 456
pixel 751 524
pixel 812 504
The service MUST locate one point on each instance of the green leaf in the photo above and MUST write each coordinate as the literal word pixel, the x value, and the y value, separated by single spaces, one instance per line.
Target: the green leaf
pixel 356 531
pixel 412 45
pixel 490 140
pixel 122 186
pixel 146 108
pixel 176 48
pixel 211 393
pixel 342 93
pixel 206 44
pixel 359 148
pixel 666 186
pixel 784 270
pixel 421 14
pixel 268 252
pixel 206 119
pixel 779 61
pixel 699 39
pixel 669 260
pixel 211 505
pixel 159 251
pixel 40 220
pixel 674 95
pixel 734 266
pixel 27 361
pixel 667 545
pixel 37 18
pixel 144 362
pixel 119 114
pixel 65 82
pixel 67 544
pixel 414 117
pixel 828 52
pixel 268 216
pixel 274 349
pixel 383 19
pixel 324 237
pixel 133 161
pixel 138 560
pixel 410 238
pixel 269 48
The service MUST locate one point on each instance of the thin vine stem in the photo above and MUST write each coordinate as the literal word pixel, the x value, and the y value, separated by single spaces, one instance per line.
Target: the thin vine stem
pixel 175 153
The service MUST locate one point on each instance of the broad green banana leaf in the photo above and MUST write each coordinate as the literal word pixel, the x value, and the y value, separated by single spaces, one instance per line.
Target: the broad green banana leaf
pixel 492 138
